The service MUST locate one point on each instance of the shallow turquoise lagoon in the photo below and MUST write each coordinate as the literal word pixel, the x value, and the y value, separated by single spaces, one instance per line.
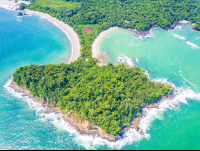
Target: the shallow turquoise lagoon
pixel 172 56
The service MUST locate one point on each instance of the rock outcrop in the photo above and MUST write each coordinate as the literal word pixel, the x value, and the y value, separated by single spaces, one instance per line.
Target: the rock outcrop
pixel 84 126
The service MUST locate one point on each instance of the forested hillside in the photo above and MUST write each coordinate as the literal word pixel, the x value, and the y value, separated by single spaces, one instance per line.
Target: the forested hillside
pixel 102 14
pixel 109 96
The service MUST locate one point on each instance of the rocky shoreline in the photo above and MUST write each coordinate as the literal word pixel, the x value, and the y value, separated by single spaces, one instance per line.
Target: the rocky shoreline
pixel 84 126
pixel 101 57
pixel 146 32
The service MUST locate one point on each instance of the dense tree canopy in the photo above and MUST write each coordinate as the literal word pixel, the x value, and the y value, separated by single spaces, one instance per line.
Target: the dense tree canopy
pixel 141 14
pixel 22 6
pixel 109 96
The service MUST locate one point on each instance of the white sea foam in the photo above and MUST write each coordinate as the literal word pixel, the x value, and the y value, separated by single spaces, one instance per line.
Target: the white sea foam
pixel 146 72
pixel 177 36
pixel 33 104
pixel 124 59
pixel 150 34
pixel 148 115
pixel 140 37
pixel 130 136
pixel 19 19
pixel 56 119
pixel 196 88
pixel 191 44
pixel 178 27
pixel 137 60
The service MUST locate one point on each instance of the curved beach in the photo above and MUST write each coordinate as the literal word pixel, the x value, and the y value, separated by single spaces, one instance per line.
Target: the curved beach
pixel 71 34
pixel 95 44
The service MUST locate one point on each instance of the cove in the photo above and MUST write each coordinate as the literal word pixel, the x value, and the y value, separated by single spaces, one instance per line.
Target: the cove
pixel 171 56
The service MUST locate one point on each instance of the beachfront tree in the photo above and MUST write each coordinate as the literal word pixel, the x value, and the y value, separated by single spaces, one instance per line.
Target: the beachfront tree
pixel 22 6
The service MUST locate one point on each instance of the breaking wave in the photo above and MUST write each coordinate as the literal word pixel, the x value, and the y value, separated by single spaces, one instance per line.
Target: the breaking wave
pixel 130 136
pixel 148 115
pixel 125 60
pixel 191 44
pixel 180 37
pixel 139 37
pixel 150 34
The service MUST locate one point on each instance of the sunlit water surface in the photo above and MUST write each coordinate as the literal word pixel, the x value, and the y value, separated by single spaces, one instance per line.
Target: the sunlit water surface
pixel 172 56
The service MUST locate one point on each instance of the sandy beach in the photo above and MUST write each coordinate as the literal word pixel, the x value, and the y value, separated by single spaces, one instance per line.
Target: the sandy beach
pixel 95 44
pixel 71 34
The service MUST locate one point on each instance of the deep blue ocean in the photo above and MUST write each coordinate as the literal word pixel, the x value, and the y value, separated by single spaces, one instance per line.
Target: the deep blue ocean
pixel 168 57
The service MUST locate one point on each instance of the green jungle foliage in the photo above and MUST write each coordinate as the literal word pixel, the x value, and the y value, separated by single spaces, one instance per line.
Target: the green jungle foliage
pixel 142 14
pixel 109 96
pixel 22 6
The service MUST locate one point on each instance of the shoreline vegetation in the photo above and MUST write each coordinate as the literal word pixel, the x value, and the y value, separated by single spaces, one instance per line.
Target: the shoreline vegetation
pixel 101 56
pixel 86 62
pixel 85 126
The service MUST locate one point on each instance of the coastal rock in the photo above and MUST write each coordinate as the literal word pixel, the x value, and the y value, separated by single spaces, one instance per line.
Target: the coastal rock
pixel 135 122
pixel 84 126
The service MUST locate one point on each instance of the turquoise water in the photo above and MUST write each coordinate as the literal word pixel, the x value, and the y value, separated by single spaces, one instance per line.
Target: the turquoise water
pixel 32 40
pixel 172 56
pixel 24 41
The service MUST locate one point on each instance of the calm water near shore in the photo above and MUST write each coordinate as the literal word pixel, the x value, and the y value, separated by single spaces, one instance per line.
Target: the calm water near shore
pixel 24 41
pixel 172 55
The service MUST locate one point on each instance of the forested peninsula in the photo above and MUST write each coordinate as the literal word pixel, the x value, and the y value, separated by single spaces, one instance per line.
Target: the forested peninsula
pixel 108 96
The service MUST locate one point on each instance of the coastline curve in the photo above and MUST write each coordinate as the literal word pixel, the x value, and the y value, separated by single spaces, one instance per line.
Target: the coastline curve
pixel 138 34
pixel 66 29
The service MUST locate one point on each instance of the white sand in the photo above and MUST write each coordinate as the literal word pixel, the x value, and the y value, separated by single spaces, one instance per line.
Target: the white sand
pixel 71 34
pixel 184 22
pixel 11 5
pixel 95 45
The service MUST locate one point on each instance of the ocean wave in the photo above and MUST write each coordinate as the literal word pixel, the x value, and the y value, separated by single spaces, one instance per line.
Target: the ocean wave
pixel 191 44
pixel 150 34
pixel 19 19
pixel 140 37
pixel 178 27
pixel 195 87
pixel 124 59
pixel 130 136
pixel 55 119
pixel 148 115
pixel 180 37
pixel 137 60
pixel 33 104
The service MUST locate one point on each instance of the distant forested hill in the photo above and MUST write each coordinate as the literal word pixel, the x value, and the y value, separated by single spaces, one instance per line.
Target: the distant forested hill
pixel 142 14
pixel 102 14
